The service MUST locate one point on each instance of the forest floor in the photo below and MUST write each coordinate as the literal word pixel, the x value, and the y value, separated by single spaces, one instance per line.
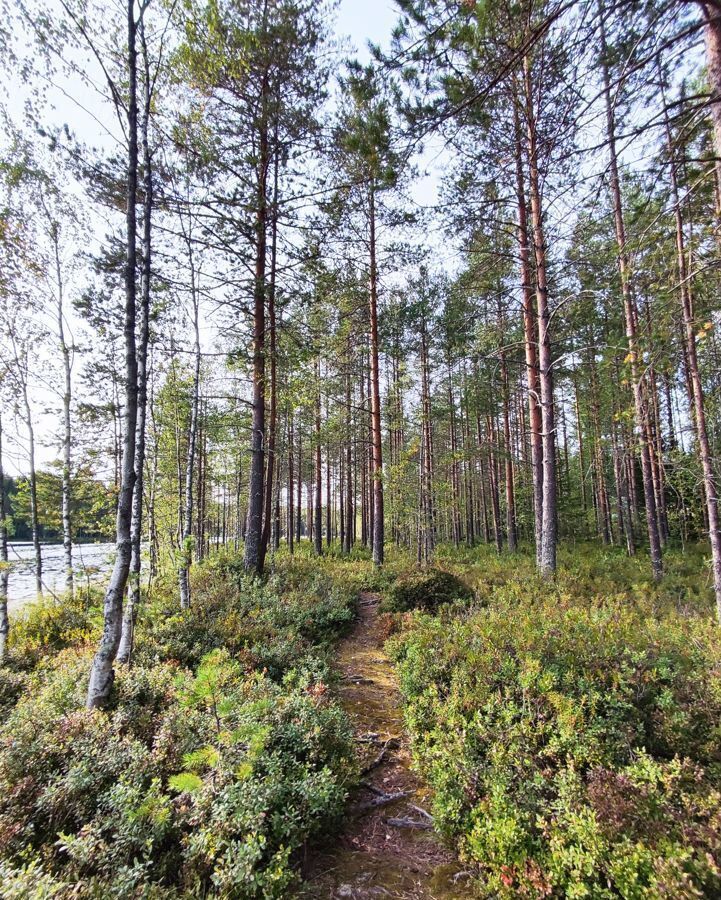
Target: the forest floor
pixel 387 847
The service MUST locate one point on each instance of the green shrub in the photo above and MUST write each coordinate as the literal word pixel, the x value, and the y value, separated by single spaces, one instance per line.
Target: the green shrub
pixel 281 624
pixel 12 685
pixel 425 591
pixel 221 753
pixel 573 747
pixel 49 625
pixel 205 783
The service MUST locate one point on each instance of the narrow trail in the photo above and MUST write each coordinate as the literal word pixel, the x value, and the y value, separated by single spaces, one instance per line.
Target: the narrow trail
pixel 387 847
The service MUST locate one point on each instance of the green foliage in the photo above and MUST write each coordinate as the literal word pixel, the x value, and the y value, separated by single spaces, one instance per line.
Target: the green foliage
pixel 572 739
pixel 49 625
pixel 210 770
pixel 283 623
pixel 92 507
pixel 425 591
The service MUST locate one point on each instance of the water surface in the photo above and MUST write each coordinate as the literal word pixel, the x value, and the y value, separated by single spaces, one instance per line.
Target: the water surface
pixel 90 562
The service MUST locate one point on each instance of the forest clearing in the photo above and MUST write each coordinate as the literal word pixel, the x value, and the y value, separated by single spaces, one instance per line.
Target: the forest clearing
pixel 360 442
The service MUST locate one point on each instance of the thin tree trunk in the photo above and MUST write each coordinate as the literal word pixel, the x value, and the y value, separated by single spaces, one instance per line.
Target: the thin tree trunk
pixel 273 410
pixel 429 525
pixel 631 317
pixel 531 348
pixel 67 425
pixel 291 485
pixel 33 476
pixel 299 517
pixel 4 572
pixel 349 504
pixel 253 559
pixel 102 674
pixel 125 648
pixel 186 550
pixel 378 523
pixel 549 533
pixel 318 511
pixel 704 444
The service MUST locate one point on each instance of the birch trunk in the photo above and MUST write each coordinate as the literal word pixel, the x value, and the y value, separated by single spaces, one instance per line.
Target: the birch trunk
pixel 4 572
pixel 102 674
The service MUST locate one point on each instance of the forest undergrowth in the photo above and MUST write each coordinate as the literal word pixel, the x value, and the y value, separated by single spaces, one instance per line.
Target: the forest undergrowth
pixel 568 732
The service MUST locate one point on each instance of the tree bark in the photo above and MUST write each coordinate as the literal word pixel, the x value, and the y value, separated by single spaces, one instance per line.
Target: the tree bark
pixel 318 485
pixel 125 648
pixel 631 318
pixel 4 572
pixel 378 523
pixel 273 409
pixel 530 340
pixel 67 424
pixel 704 444
pixel 549 531
pixel 102 674
pixel 253 559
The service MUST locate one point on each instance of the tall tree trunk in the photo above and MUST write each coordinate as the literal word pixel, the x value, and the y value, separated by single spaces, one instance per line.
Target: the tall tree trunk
pixel 21 367
pixel 631 317
pixel 4 573
pixel 549 532
pixel 493 483
pixel 378 533
pixel 530 339
pixel 511 528
pixel 704 444
pixel 455 491
pixel 318 505
pixel 299 517
pixel 349 502
pixel 125 648
pixel 429 525
pixel 186 549
pixel 291 485
pixel 253 559
pixel 712 14
pixel 67 425
pixel 273 410
pixel 102 674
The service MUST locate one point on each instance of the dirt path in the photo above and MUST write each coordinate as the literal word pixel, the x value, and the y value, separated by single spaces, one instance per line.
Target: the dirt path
pixel 387 848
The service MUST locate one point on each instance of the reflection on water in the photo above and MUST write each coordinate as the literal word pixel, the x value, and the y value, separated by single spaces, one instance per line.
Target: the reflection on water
pixel 90 561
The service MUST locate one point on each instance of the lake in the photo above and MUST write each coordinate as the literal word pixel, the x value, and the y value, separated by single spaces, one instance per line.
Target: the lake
pixel 92 561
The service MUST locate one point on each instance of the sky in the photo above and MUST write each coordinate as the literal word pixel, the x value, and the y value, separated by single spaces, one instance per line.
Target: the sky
pixel 357 21
pixel 366 20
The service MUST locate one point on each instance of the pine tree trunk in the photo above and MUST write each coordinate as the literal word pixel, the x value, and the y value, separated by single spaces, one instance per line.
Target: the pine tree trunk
pixel 299 516
pixel 273 410
pixel 318 505
pixel 377 536
pixel 253 559
pixel 429 525
pixel 549 532
pixel 291 485
pixel 530 336
pixel 704 445
pixel 713 68
pixel 186 550
pixel 631 317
